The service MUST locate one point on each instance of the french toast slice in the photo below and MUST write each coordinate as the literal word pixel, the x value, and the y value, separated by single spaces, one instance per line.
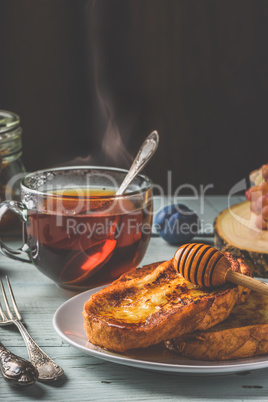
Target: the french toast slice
pixel 243 334
pixel 155 303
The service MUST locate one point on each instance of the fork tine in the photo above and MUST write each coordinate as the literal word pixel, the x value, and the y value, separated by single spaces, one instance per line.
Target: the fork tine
pixel 2 313
pixel 13 299
pixel 6 301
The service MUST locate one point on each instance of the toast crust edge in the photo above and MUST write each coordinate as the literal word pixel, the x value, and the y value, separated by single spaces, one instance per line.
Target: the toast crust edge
pixel 228 344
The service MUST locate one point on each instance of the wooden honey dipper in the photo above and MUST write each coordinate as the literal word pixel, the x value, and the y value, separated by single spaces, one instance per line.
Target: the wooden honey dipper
pixel 208 267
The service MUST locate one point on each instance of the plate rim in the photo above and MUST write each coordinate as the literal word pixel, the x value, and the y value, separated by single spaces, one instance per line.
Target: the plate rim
pixel 216 368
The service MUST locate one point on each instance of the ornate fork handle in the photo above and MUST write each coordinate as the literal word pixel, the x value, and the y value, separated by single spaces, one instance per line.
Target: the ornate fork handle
pixel 15 368
pixel 47 369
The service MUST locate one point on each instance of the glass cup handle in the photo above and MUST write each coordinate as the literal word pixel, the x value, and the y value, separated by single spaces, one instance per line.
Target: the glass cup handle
pixel 21 210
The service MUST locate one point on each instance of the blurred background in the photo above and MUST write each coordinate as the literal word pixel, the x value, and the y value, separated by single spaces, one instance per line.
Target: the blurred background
pixel 90 79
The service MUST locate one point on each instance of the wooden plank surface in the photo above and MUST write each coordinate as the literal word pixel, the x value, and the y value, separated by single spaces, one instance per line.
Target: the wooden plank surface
pixel 91 379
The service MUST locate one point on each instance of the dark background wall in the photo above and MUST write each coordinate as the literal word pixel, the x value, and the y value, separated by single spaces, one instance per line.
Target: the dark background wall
pixel 93 78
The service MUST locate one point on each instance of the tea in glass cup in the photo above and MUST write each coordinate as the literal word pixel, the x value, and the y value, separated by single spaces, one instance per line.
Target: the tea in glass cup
pixel 77 231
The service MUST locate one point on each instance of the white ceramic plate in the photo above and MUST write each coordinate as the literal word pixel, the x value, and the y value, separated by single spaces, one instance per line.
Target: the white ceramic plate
pixel 68 323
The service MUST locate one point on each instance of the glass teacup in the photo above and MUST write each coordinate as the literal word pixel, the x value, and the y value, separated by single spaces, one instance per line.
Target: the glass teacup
pixel 76 230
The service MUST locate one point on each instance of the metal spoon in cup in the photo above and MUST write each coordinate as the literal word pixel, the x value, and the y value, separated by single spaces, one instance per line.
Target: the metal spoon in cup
pixel 145 153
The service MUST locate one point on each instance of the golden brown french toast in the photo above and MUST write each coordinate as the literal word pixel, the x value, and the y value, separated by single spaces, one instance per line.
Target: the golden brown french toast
pixel 243 334
pixel 154 303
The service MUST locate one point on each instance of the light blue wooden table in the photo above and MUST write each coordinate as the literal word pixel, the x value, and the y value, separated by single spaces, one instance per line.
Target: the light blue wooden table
pixel 90 379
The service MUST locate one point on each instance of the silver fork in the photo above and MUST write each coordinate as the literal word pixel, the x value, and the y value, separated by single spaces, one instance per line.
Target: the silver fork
pixel 47 369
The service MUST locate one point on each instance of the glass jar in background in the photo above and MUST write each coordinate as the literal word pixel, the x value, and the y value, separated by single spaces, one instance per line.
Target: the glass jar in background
pixel 11 166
